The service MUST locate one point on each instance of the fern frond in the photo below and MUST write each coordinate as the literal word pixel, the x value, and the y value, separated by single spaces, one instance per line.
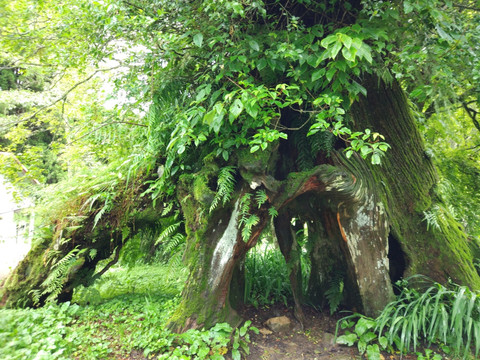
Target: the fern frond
pixel 167 209
pixel 432 219
pixel 53 284
pixel 261 197
pixel 176 260
pixel 272 212
pixel 248 224
pixel 168 232
pixel 174 243
pixel 225 186
pixel 244 208
pixel 334 293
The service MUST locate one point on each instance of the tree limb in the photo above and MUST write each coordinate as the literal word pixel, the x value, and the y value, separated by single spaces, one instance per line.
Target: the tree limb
pixel 64 95
pixel 109 265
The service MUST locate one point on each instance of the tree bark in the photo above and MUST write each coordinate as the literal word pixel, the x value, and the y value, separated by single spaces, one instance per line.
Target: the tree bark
pixel 353 209
pixel 406 180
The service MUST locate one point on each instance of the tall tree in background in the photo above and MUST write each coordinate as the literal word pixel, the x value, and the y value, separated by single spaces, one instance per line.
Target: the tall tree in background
pixel 283 110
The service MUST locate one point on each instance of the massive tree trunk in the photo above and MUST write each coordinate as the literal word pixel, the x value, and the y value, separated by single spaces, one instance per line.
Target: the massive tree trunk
pixel 364 221
pixel 365 224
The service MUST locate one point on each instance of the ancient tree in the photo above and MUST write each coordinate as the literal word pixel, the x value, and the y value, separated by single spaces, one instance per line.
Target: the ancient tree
pixel 287 114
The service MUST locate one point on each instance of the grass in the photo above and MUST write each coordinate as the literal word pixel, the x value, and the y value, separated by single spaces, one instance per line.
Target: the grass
pixel 266 277
pixel 438 314
pixel 425 313
pixel 125 311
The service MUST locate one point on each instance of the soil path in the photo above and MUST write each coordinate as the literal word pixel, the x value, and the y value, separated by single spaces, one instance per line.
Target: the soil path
pixel 315 342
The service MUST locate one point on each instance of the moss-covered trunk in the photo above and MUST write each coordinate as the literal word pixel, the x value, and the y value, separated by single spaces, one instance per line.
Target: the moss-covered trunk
pixel 65 254
pixel 406 181
pixel 364 222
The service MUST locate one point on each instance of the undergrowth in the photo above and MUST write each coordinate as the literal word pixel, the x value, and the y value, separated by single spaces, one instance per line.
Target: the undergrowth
pixel 126 310
pixel 266 277
pixel 423 314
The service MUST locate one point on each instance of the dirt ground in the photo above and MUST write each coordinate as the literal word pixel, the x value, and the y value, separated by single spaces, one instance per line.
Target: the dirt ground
pixel 315 342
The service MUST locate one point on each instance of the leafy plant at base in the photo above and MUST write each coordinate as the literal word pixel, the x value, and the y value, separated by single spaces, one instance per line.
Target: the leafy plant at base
pixel 428 355
pixel 437 314
pixel 449 315
pixel 334 293
pixel 241 339
pixel 363 335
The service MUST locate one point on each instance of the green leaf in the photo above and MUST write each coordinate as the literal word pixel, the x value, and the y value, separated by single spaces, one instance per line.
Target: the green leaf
pixel 254 148
pixel 331 73
pixel 261 64
pixel 346 40
pixel 318 74
pixel 382 340
pixel 198 39
pixel 362 346
pixel 254 45
pixel 209 116
pixel 373 352
pixel 236 354
pixel 442 33
pixel 328 40
pixel 365 52
pixel 335 49
pixel 376 159
pixel 407 7
pixel 349 54
pixel 236 108
pixel 349 339
pixel 364 324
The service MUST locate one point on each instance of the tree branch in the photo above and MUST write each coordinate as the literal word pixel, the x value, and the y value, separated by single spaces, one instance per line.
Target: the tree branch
pixel 109 265
pixel 472 113
pixel 64 95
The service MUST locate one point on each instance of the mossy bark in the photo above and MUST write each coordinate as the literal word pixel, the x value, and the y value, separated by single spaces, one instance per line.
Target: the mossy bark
pixel 406 181
pixel 27 285
pixel 352 209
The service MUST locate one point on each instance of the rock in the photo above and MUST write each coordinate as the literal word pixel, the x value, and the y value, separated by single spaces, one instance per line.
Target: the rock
pixel 328 338
pixel 278 324
pixel 264 331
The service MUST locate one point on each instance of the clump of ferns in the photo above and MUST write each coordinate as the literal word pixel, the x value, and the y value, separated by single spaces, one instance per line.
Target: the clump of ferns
pixel 60 272
pixel 439 217
pixel 248 221
pixel 172 241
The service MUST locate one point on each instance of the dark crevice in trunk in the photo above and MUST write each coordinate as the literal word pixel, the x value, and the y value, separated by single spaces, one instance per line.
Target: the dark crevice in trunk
pixel 398 261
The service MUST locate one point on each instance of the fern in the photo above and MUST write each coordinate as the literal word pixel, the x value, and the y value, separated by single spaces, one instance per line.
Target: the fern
pixel 244 208
pixel 225 186
pixel 261 197
pixel 173 244
pixel 272 212
pixel 248 224
pixel 334 293
pixel 247 221
pixel 53 284
pixel 167 209
pixel 432 219
pixel 168 232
